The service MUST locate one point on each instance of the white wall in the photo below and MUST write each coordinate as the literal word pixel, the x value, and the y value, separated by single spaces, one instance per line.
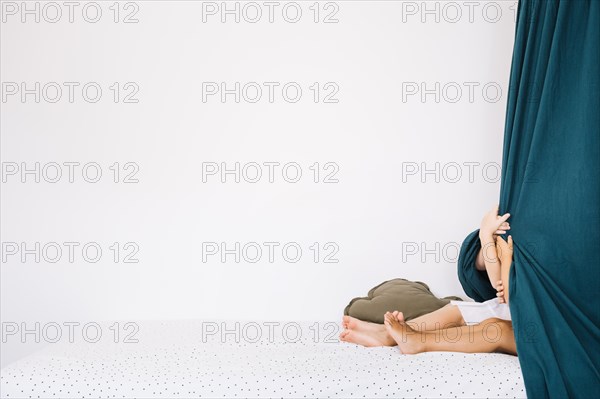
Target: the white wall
pixel 372 133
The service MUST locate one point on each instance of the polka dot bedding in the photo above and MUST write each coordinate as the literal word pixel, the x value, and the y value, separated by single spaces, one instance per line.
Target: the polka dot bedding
pixel 228 359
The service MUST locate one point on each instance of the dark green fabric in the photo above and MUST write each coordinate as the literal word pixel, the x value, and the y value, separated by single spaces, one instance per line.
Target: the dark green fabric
pixel 412 298
pixel 475 283
pixel 551 187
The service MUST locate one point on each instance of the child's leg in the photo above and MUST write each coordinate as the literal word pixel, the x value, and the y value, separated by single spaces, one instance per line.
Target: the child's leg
pixel 491 335
pixel 372 334
pixel 448 316
pixel 504 272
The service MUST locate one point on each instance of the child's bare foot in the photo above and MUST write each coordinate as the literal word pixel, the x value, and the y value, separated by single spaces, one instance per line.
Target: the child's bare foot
pixel 367 338
pixel 352 323
pixel 364 333
pixel 408 340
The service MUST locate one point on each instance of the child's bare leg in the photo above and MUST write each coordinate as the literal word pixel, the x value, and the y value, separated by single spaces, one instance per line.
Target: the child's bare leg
pixel 504 272
pixel 373 334
pixel 491 335
pixel 448 316
pixel 505 254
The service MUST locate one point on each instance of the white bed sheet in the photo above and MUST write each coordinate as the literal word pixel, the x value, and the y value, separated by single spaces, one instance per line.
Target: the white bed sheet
pixel 175 359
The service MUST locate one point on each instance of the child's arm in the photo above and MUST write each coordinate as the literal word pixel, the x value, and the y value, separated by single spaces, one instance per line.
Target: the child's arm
pixel 491 225
pixel 503 227
pixel 479 261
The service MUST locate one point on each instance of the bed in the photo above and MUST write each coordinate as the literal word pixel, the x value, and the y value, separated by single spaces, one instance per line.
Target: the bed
pixel 227 359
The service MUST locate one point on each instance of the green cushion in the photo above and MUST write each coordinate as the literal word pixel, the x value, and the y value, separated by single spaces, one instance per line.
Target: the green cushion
pixel 412 298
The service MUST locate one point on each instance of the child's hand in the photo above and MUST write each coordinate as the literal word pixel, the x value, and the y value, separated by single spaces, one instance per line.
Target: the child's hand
pixel 492 223
pixel 500 291
pixel 504 250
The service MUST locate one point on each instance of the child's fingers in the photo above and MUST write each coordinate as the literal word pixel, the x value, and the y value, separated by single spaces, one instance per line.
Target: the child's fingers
pixel 510 241
pixel 504 217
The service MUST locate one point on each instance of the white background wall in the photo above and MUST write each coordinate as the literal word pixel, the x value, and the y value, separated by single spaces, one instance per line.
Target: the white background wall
pixel 375 214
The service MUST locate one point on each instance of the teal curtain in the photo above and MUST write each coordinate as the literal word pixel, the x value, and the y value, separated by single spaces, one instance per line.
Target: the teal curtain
pixel 551 187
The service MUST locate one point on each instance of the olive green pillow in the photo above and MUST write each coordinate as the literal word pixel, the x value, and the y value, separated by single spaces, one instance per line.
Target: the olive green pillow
pixel 412 298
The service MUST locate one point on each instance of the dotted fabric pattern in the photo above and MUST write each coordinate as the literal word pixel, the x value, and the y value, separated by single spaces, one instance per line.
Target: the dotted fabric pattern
pixel 187 359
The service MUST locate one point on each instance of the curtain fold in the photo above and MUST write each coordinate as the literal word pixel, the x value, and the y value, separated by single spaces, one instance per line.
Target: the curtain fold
pixel 551 186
